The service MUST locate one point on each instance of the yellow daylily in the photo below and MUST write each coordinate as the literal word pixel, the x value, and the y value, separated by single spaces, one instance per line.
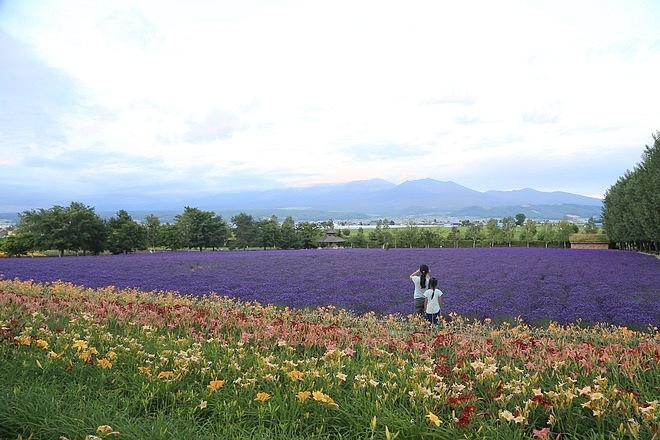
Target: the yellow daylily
pixel 262 397
pixel 433 419
pixel 215 385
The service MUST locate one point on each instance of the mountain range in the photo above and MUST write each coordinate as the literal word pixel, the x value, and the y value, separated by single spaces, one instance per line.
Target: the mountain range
pixel 424 198
pixel 376 199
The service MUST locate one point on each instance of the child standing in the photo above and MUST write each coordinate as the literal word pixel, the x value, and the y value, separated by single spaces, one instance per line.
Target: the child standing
pixel 420 280
pixel 433 301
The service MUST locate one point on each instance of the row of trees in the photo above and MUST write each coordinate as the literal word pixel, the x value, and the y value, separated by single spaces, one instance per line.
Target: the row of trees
pixel 631 207
pixel 78 229
pixel 508 231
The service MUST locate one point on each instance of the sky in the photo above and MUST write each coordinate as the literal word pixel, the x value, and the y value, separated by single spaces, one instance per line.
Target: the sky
pixel 120 103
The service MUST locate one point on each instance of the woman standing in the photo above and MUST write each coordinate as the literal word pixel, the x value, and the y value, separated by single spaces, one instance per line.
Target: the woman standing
pixel 433 301
pixel 420 279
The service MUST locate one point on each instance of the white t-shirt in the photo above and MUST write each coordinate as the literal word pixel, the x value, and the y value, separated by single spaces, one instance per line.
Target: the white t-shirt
pixel 419 290
pixel 433 305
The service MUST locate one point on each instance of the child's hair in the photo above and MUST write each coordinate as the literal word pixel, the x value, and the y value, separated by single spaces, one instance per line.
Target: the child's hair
pixel 433 284
pixel 423 270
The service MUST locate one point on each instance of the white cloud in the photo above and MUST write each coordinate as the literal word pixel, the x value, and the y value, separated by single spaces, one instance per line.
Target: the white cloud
pixel 265 94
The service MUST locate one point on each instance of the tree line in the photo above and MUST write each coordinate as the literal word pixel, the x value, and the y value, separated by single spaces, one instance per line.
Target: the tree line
pixel 77 229
pixel 631 207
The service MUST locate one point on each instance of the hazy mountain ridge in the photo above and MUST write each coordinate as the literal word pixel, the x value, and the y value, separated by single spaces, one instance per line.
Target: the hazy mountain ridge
pixel 424 197
pixel 377 198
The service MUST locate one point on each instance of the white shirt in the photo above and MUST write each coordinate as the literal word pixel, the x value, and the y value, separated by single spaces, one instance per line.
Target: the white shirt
pixel 433 305
pixel 419 290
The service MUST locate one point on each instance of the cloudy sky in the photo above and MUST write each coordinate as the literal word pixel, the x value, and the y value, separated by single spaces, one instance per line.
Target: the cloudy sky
pixel 115 103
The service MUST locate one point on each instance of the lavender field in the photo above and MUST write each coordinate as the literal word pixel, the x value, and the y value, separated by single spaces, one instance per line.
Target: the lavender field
pixel 562 285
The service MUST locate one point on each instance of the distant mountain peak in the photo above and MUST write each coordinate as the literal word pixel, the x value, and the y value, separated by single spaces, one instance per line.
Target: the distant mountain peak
pixel 379 198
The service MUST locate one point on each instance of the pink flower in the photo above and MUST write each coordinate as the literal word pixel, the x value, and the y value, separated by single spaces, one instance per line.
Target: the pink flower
pixel 541 433
pixel 348 351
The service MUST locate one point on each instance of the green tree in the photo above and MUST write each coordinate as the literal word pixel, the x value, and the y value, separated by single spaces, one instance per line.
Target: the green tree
pixel 474 233
pixel 520 219
pixel 170 236
pixel 87 231
pixel 528 231
pixel 217 232
pixel 590 227
pixel 359 240
pixel 192 224
pixel 125 235
pixel 409 236
pixel 152 224
pixel 308 234
pixel 268 232
pixel 47 226
pixel 245 230
pixel 547 233
pixel 564 230
pixel 72 228
pixel 508 229
pixel 17 244
pixel 454 235
pixel 494 231
pixel 288 239
pixel 201 229
pixel 631 207
pixel 382 234
pixel 427 237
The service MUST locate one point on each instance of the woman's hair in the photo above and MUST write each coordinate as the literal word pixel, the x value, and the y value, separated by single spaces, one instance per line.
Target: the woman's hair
pixel 433 284
pixel 423 270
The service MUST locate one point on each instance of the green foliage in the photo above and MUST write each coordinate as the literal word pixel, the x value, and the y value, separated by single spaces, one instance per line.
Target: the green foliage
pixel 631 208
pixel 474 232
pixel 268 232
pixel 308 234
pixel 73 228
pixel 125 235
pixel 245 230
pixel 508 229
pixel 564 230
pixel 152 224
pixel 17 244
pixel 590 227
pixel 529 231
pixel 493 231
pixel 288 239
pixel 201 229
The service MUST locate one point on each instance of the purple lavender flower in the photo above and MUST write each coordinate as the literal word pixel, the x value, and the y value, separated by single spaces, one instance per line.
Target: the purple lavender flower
pixel 563 285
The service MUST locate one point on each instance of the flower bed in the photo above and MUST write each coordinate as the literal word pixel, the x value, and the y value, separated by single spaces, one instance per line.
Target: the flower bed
pixel 538 285
pixel 79 362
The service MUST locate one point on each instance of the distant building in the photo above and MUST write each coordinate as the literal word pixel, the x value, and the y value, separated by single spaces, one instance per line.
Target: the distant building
pixel 589 241
pixel 331 239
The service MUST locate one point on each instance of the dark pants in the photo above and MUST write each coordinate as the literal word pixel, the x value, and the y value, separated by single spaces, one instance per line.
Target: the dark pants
pixel 432 318
pixel 419 306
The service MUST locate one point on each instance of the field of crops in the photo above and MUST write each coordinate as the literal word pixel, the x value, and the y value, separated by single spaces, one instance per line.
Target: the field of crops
pixel 538 285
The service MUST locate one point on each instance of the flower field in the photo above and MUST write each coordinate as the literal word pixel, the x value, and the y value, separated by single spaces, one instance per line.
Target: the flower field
pixel 111 350
pixel 82 363
pixel 563 285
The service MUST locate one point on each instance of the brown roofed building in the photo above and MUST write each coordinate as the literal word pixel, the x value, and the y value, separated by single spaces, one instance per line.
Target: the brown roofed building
pixel 331 239
pixel 589 241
